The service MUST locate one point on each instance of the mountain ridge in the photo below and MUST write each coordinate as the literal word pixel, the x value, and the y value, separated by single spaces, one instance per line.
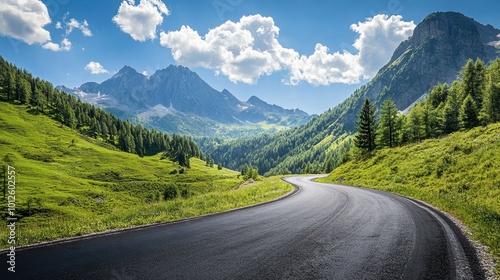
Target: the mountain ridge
pixel 419 63
pixel 178 91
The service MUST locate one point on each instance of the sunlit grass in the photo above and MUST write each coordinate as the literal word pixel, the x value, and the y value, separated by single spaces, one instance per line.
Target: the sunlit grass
pixel 460 174
pixel 83 187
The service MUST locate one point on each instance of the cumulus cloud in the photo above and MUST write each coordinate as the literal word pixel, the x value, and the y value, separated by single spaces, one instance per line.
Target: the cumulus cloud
pixel 140 21
pixel 83 26
pixel 25 20
pixel 248 49
pixel 378 38
pixel 323 68
pixel 64 46
pixel 243 51
pixel 96 68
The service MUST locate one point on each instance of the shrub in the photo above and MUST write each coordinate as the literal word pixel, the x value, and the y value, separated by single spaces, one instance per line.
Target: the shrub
pixel 170 192
pixel 185 193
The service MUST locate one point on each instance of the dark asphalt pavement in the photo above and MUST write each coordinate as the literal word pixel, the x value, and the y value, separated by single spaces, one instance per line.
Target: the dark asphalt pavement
pixel 321 232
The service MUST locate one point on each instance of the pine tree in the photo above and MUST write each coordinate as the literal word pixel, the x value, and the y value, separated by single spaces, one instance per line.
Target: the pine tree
pixel 388 131
pixel 468 114
pixel 11 85
pixel 71 118
pixel 490 111
pixel 113 132
pixel 438 95
pixel 480 75
pixel 139 145
pixel 413 124
pixel 473 81
pixel 183 160
pixel 24 91
pixel 429 121
pixel 404 135
pixel 104 130
pixel 366 128
pixel 449 115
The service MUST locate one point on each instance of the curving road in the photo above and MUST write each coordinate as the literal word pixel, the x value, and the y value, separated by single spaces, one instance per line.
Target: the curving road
pixel 321 232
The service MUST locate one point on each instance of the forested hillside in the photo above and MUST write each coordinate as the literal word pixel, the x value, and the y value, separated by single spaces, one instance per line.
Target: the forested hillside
pixel 72 179
pixel 20 87
pixel 418 64
pixel 472 100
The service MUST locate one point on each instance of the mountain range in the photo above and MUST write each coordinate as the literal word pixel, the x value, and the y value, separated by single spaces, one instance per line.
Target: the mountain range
pixel 439 47
pixel 177 100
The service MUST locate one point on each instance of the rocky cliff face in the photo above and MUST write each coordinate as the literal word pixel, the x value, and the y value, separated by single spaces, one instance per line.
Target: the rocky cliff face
pixel 439 48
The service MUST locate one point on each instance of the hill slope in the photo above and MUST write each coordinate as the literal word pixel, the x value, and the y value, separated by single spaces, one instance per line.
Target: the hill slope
pixel 68 184
pixel 459 173
pixel 440 46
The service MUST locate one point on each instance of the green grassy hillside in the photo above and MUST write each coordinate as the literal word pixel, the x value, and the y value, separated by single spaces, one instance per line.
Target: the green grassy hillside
pixel 68 184
pixel 459 173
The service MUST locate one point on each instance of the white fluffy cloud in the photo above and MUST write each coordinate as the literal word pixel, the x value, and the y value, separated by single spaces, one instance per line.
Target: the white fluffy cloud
pixel 140 21
pixel 243 51
pixel 96 68
pixel 70 25
pixel 323 68
pixel 83 26
pixel 64 46
pixel 25 20
pixel 248 49
pixel 378 38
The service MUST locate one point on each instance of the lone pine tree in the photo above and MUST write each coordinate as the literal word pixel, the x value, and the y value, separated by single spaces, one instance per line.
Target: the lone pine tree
pixel 366 128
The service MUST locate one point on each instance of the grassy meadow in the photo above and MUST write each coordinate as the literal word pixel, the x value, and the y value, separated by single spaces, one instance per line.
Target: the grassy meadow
pixel 459 174
pixel 69 185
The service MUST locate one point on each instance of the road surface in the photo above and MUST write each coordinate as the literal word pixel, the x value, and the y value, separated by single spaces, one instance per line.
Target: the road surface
pixel 323 231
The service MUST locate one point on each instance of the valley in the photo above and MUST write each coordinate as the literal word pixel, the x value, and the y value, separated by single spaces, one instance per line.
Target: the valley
pixel 153 158
pixel 68 184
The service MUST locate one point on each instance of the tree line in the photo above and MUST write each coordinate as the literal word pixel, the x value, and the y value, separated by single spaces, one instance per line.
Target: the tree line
pixel 20 87
pixel 471 100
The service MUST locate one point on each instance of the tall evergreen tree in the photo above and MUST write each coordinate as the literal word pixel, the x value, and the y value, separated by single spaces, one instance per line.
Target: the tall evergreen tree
pixel 366 128
pixel 388 131
pixel 468 114
pixel 11 85
pixel 413 124
pixel 449 115
pixel 429 121
pixel 490 110
pixel 438 95
pixel 24 91
pixel 139 144
pixel 473 81
pixel 183 159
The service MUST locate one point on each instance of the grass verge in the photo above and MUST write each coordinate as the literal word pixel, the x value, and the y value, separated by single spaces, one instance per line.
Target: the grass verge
pixel 459 174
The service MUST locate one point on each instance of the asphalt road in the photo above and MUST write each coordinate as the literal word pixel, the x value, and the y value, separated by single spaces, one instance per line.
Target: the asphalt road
pixel 321 232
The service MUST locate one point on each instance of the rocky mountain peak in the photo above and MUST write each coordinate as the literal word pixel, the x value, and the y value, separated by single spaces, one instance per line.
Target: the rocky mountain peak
pixel 126 70
pixel 441 44
pixel 182 96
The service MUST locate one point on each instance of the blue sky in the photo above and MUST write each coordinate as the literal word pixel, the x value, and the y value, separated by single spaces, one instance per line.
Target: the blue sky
pixel 297 54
